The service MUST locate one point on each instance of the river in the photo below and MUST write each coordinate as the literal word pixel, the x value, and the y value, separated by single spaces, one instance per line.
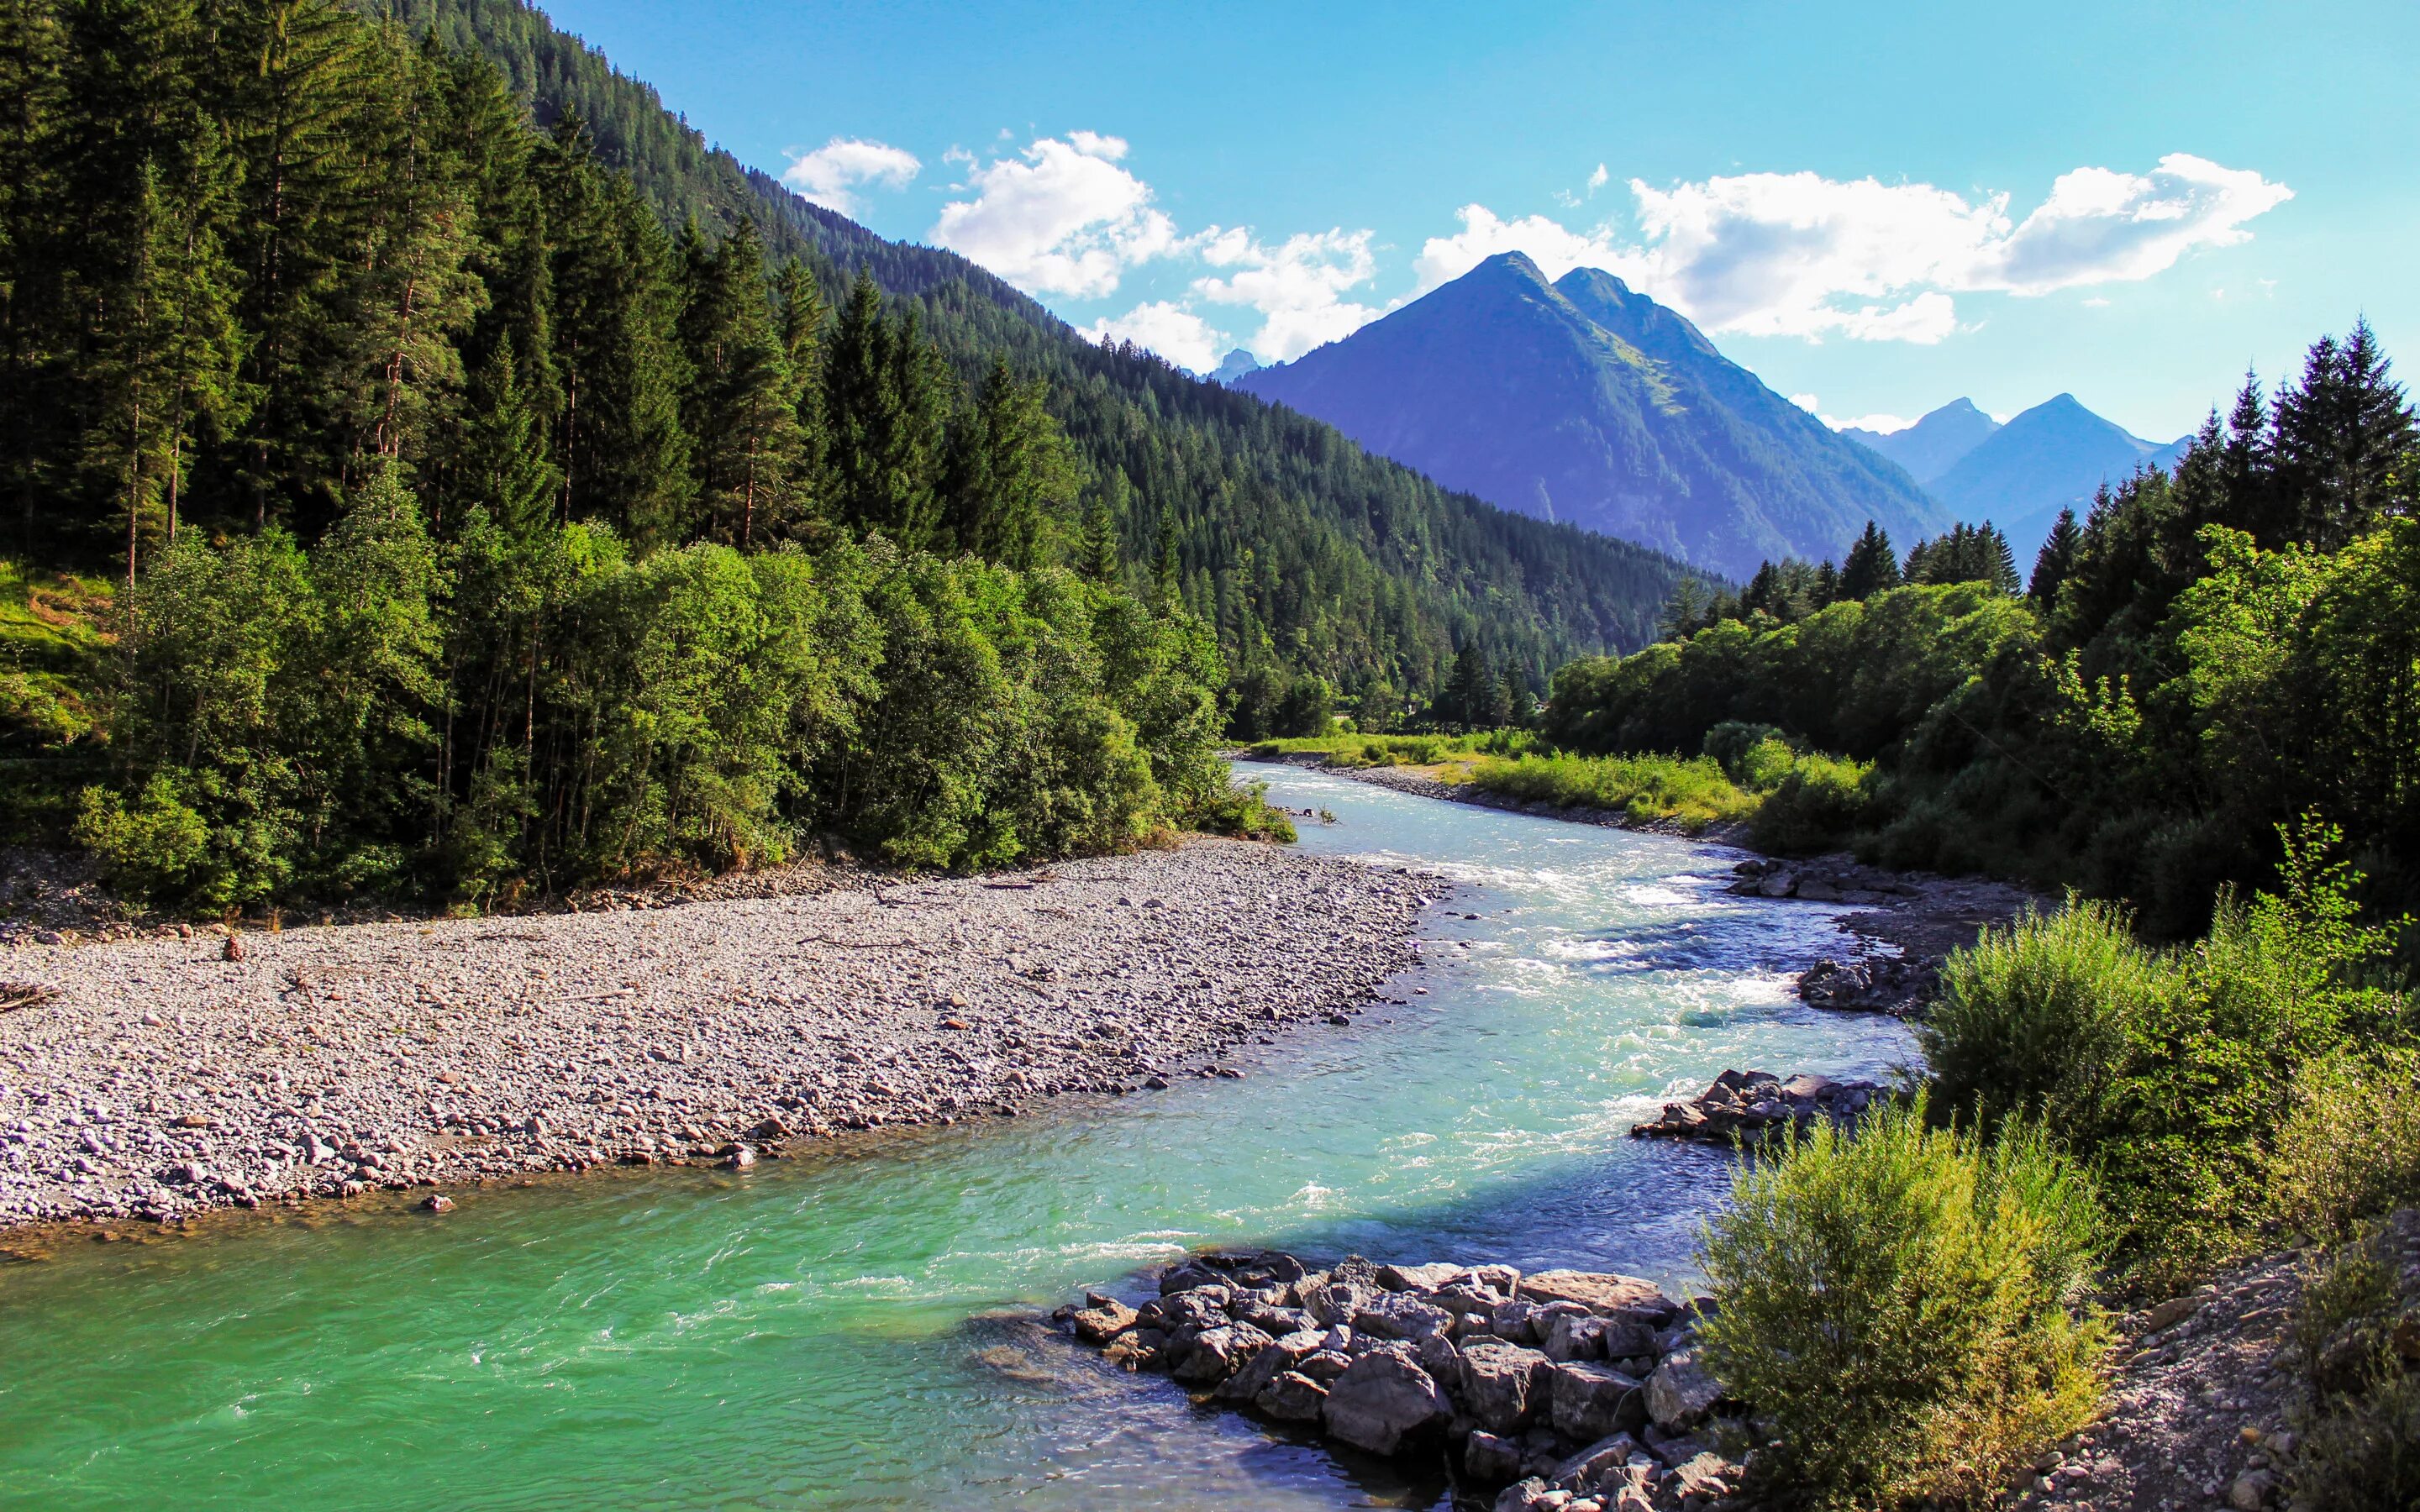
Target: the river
pixel 855 1328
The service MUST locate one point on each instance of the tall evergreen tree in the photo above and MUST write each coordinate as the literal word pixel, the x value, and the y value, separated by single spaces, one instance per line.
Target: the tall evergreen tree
pixel 1871 566
pixel 1010 471
pixel 2055 560
pixel 886 403
pixel 740 406
pixel 2345 440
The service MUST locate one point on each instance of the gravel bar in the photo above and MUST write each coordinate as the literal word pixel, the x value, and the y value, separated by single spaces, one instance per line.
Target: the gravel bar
pixel 153 1078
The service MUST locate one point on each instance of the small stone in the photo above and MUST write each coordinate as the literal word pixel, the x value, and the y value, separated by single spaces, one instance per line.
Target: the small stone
pixel 437 1202
pixel 1680 1392
pixel 1490 1461
pixel 1292 1398
pixel 232 948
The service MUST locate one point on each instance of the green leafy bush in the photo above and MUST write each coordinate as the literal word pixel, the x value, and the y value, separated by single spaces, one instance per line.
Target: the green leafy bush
pixel 2364 1456
pixel 151 846
pixel 2350 1147
pixel 2170 1071
pixel 1904 1307
pixel 1811 802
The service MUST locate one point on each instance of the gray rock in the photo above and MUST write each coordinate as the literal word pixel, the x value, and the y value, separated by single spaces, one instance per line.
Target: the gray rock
pixel 1292 1397
pixel 1501 1384
pixel 1600 1292
pixel 1281 1355
pixel 1527 1495
pixel 1383 1401
pixel 1400 1316
pixel 1580 1337
pixel 1592 1401
pixel 1216 1353
pixel 1516 1321
pixel 1098 1325
pixel 1680 1392
pixel 1490 1461
pixel 1417 1277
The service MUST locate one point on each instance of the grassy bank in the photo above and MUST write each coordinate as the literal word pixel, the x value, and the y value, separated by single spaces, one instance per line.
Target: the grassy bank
pixel 1790 800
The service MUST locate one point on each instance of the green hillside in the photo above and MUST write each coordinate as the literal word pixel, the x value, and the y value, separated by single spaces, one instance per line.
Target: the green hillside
pixel 1303 549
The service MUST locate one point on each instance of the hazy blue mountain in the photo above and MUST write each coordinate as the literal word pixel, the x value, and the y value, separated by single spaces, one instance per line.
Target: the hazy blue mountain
pixel 1235 365
pixel 2054 456
pixel 1586 402
pixel 1933 445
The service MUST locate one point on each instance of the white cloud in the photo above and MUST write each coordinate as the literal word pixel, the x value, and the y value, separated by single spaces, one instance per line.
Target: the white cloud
pixel 1799 255
pixel 1298 285
pixel 1598 179
pixel 1881 423
pixel 1059 217
pixel 1171 330
pixel 1554 248
pixel 827 175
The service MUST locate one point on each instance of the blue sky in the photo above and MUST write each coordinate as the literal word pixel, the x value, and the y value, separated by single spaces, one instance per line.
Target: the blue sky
pixel 1876 208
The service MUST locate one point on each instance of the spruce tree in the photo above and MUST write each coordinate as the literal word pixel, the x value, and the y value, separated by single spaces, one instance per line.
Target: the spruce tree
pixel 886 401
pixel 505 465
pixel 2055 560
pixel 2344 441
pixel 1871 566
pixel 1011 472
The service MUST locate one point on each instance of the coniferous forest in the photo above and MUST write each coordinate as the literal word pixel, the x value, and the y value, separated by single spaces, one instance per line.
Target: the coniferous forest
pixel 499 488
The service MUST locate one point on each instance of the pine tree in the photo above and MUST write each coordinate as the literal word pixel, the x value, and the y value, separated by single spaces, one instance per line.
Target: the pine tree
pixel 740 407
pixel 1010 471
pixel 2055 560
pixel 2344 441
pixel 621 446
pixel 886 401
pixel 1104 507
pixel 1473 692
pixel 505 465
pixel 2246 469
pixel 294 76
pixel 415 295
pixel 1871 566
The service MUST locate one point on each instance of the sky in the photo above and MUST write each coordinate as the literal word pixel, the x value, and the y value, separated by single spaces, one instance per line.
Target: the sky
pixel 1876 208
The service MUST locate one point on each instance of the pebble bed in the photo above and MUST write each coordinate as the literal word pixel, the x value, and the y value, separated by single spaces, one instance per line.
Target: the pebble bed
pixel 152 1078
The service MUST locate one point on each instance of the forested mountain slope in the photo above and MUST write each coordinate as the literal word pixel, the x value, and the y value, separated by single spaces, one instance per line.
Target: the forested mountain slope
pixel 1301 549
pixel 1584 401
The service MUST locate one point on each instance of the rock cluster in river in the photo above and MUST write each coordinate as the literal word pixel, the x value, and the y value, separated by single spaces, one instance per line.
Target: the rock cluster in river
pixel 157 1077
pixel 1872 985
pixel 1572 1390
pixel 1753 1105
pixel 1833 880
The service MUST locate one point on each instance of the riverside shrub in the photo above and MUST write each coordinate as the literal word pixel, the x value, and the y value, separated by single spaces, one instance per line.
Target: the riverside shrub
pixel 2350 1147
pixel 2170 1071
pixel 1905 1306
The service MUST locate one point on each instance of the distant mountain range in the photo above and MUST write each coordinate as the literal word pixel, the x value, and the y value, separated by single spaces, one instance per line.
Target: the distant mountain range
pixel 2020 475
pixel 1583 401
pixel 1235 365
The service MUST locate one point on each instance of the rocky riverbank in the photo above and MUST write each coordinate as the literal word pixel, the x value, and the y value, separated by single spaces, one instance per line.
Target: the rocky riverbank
pixel 155 1077
pixel 1567 1390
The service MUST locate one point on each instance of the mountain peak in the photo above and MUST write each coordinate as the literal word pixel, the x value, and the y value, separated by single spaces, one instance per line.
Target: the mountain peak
pixel 1584 401
pixel 1933 445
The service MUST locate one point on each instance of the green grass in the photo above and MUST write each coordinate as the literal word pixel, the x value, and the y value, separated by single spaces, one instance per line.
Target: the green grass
pixel 1349 750
pixel 1692 795
pixel 49 645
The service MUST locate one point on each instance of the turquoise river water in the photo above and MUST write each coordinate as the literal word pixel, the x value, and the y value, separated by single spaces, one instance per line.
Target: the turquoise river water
pixel 857 1327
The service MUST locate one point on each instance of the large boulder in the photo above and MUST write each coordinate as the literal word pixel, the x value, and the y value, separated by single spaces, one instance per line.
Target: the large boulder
pixel 1334 1300
pixel 1220 1352
pixel 1280 1356
pixel 1600 1292
pixel 1489 1459
pixel 1383 1401
pixel 1418 1277
pixel 1098 1325
pixel 1400 1316
pixel 1575 1337
pixel 1590 1401
pixel 1681 1392
pixel 1292 1398
pixel 1501 1384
